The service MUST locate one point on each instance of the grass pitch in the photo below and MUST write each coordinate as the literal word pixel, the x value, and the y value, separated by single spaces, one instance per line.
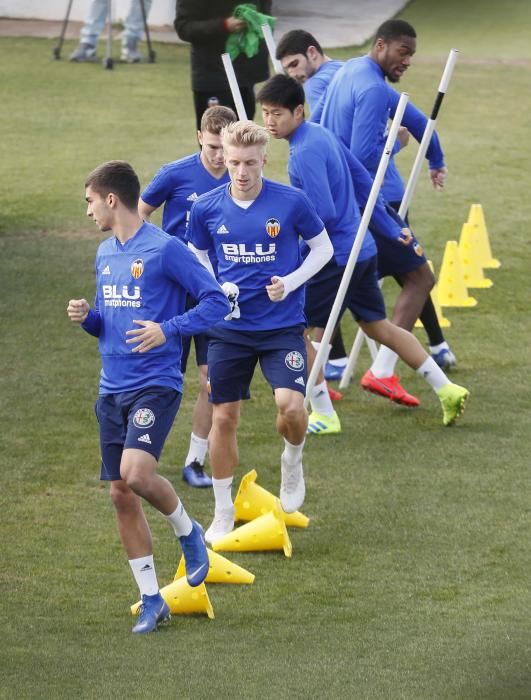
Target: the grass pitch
pixel 412 580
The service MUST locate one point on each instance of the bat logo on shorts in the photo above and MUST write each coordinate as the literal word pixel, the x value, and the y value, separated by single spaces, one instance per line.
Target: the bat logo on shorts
pixel 137 268
pixel 272 227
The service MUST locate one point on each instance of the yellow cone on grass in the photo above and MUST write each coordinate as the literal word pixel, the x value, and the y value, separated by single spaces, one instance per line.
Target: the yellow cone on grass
pixel 253 500
pixel 469 256
pixel 267 532
pixel 443 321
pixel 220 570
pixel 477 218
pixel 182 599
pixel 451 284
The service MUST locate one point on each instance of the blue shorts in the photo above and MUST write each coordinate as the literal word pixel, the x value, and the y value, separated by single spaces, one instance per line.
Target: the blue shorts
pixel 201 349
pixel 364 297
pixel 200 342
pixel 396 259
pixel 232 357
pixel 138 419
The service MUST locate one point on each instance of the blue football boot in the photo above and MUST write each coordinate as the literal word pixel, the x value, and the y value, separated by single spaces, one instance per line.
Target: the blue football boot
pixel 195 555
pixel 153 611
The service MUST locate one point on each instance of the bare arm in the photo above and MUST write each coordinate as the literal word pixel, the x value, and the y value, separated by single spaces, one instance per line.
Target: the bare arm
pixel 145 210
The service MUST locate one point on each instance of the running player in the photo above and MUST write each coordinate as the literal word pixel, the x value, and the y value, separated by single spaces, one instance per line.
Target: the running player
pixel 177 185
pixel 142 277
pixel 357 107
pixel 254 226
pixel 318 165
pixel 302 57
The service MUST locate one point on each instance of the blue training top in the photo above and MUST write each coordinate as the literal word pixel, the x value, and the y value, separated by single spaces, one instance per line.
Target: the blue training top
pixel 317 165
pixel 177 185
pixel 358 105
pixel 254 244
pixel 315 88
pixel 147 278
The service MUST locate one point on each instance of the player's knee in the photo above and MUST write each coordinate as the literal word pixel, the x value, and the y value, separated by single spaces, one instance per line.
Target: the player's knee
pixel 291 413
pixel 419 281
pixel 225 422
pixel 427 277
pixel 123 499
pixel 373 329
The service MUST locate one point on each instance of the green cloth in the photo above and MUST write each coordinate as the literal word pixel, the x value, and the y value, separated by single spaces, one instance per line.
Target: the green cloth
pixel 247 41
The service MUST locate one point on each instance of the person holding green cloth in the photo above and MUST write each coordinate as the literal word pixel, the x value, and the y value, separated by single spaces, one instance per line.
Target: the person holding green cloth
pixel 247 40
pixel 208 26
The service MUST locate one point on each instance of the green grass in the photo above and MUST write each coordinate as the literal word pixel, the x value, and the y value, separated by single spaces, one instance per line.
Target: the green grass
pixel 412 580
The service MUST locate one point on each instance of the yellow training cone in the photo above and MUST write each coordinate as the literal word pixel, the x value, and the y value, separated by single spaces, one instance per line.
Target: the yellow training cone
pixel 267 532
pixel 182 599
pixel 220 570
pixel 253 500
pixel 477 218
pixel 452 287
pixel 443 321
pixel 469 256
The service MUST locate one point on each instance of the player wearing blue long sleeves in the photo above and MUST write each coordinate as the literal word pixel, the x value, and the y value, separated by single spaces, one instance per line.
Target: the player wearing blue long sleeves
pixel 142 278
pixel 358 105
pixel 176 186
pixel 303 59
pixel 330 176
pixel 254 226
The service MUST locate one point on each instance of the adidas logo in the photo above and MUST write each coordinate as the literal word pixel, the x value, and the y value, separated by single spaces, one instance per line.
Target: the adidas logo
pixel 106 270
pixel 145 438
pixel 300 381
pixel 192 197
pixel 146 567
pixel 222 229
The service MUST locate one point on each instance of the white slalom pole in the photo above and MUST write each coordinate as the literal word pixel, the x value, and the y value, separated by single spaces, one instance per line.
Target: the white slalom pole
pixel 234 87
pixel 358 241
pixel 428 132
pixel 408 193
pixel 271 47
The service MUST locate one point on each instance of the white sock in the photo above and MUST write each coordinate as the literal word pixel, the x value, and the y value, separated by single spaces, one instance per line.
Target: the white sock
pixel 223 492
pixel 437 348
pixel 339 362
pixel 433 374
pixel 143 570
pixel 198 450
pixel 321 401
pixel 384 362
pixel 293 453
pixel 180 521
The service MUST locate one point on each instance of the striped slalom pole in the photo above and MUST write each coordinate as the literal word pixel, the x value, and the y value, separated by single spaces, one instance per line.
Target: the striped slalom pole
pixel 428 132
pixel 354 253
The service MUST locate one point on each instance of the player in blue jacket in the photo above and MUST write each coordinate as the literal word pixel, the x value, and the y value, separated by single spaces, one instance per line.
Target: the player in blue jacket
pixel 176 186
pixel 254 225
pixel 357 108
pixel 326 171
pixel 302 57
pixel 139 317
